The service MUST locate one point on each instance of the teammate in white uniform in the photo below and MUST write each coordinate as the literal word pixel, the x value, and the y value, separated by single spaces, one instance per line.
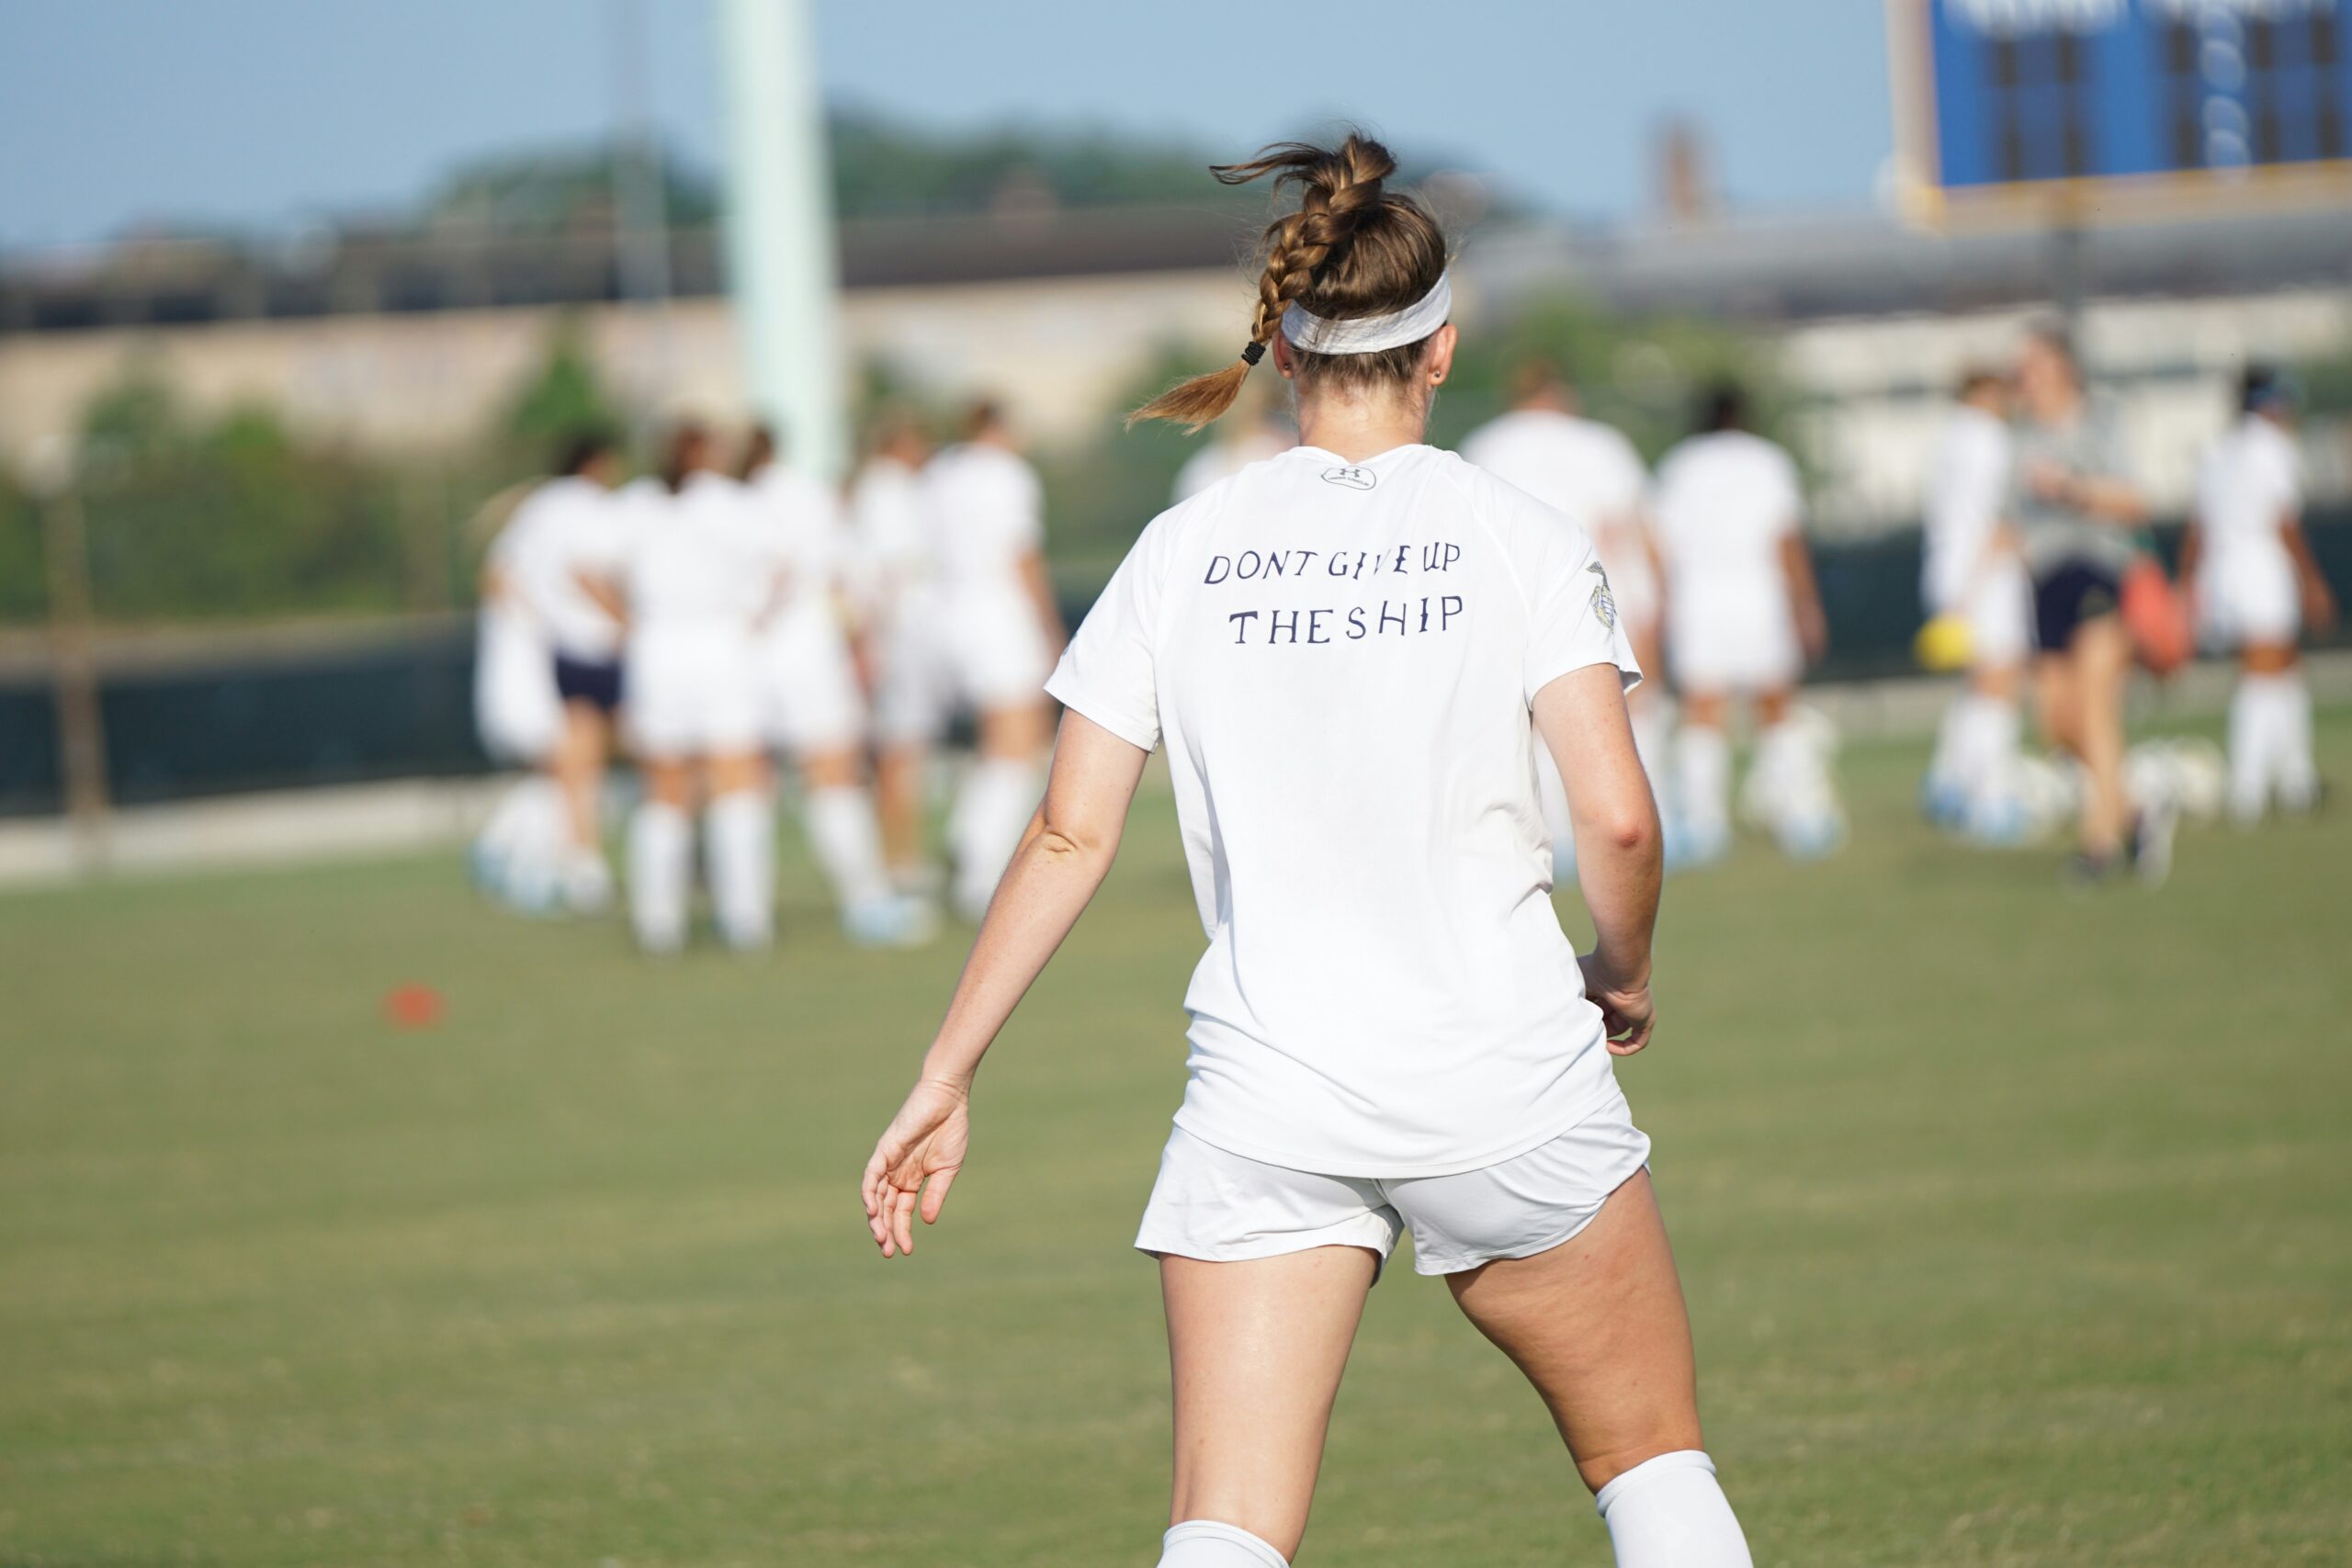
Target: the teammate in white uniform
pixel 1744 618
pixel 2256 587
pixel 898 589
pixel 1590 472
pixel 1253 440
pixel 1002 631
pixel 1363 641
pixel 1971 570
pixel 816 714
pixel 702 575
pixel 566 532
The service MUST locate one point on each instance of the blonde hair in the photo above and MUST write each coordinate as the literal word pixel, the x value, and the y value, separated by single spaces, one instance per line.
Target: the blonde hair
pixel 1353 248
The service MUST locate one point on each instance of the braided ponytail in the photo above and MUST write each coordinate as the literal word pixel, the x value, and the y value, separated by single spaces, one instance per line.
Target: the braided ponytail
pixel 1351 249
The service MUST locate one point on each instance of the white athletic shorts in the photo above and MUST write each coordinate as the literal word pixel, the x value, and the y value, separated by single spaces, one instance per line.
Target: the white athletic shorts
pixel 691 692
pixel 1722 643
pixel 809 686
pixel 996 648
pixel 2250 600
pixel 914 684
pixel 1226 1208
pixel 1998 607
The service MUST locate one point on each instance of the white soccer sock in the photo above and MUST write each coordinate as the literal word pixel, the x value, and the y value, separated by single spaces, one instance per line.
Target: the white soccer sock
pixel 2293 775
pixel 1667 1512
pixel 1653 723
pixel 1205 1544
pixel 661 868
pixel 1998 729
pixel 1948 771
pixel 1704 754
pixel 2249 760
pixel 847 842
pixel 991 813
pixel 738 844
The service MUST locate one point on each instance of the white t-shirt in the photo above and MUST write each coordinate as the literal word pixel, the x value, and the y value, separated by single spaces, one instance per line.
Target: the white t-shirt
pixel 1589 471
pixel 1967 481
pixel 987 513
pixel 1722 505
pixel 812 536
pixel 2249 482
pixel 565 527
pixel 893 544
pixel 1340 657
pixel 706 559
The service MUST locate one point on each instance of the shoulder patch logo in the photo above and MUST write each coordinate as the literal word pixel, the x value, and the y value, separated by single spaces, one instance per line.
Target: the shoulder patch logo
pixel 1353 477
pixel 1604 602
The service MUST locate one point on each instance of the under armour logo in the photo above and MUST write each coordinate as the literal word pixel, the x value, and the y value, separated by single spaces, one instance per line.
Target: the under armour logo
pixel 1352 477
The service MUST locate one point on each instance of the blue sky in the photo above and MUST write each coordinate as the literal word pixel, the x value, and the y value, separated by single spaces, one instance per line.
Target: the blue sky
pixel 262 112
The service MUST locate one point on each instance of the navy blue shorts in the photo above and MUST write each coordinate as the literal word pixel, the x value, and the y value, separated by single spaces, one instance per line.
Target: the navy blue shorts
pixel 596 682
pixel 2069 594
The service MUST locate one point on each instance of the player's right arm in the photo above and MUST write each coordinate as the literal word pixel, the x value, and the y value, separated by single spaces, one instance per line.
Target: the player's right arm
pixel 1062 860
pixel 1581 717
pixel 2318 599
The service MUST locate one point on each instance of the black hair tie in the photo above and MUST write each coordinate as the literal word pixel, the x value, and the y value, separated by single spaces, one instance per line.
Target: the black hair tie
pixel 1252 352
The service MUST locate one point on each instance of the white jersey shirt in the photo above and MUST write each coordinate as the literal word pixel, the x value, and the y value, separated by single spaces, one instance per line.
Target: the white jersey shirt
pixel 892 548
pixel 565 528
pixel 1589 471
pixel 1722 505
pixel 813 539
pixel 986 511
pixel 1967 480
pixel 2250 482
pixel 706 560
pixel 1339 660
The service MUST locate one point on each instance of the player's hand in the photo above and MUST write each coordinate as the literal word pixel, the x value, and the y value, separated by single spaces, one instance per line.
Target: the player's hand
pixel 916 1160
pixel 2051 482
pixel 1626 1010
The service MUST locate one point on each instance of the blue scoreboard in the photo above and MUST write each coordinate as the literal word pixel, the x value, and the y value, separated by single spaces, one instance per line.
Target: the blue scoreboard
pixel 2080 111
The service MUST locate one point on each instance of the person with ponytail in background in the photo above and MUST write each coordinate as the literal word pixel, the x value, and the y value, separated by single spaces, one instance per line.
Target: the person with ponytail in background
pixel 1360 643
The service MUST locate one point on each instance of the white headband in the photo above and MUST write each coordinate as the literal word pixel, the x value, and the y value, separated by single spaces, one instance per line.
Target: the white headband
pixel 1369 334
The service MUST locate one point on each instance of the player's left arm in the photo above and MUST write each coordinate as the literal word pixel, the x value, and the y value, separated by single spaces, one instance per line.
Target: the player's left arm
pixel 2319 600
pixel 1804 595
pixel 1039 580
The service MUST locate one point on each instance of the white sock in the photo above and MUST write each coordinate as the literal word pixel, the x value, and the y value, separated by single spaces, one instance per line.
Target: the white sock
pixel 2294 776
pixel 1204 1543
pixel 1996 728
pixel 2249 768
pixel 1652 742
pixel 1667 1512
pixel 661 869
pixel 991 813
pixel 1704 754
pixel 1948 769
pixel 847 843
pixel 739 845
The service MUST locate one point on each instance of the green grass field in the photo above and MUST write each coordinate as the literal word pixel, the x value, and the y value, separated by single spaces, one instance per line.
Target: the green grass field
pixel 2016 1227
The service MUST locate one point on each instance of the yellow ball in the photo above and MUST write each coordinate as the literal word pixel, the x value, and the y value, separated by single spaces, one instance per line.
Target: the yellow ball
pixel 1942 643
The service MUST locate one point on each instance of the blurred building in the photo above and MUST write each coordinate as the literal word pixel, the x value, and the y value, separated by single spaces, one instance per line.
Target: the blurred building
pixel 411 340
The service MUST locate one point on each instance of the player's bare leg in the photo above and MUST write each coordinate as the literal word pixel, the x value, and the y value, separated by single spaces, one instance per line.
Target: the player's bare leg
pixel 1255 1349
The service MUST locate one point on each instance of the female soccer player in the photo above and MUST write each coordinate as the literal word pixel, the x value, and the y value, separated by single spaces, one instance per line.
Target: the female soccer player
pixel 1002 630
pixel 567 530
pixel 2258 587
pixel 816 714
pixel 1588 469
pixel 913 686
pixel 1970 569
pixel 2074 516
pixel 1743 619
pixel 1358 643
pixel 702 574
